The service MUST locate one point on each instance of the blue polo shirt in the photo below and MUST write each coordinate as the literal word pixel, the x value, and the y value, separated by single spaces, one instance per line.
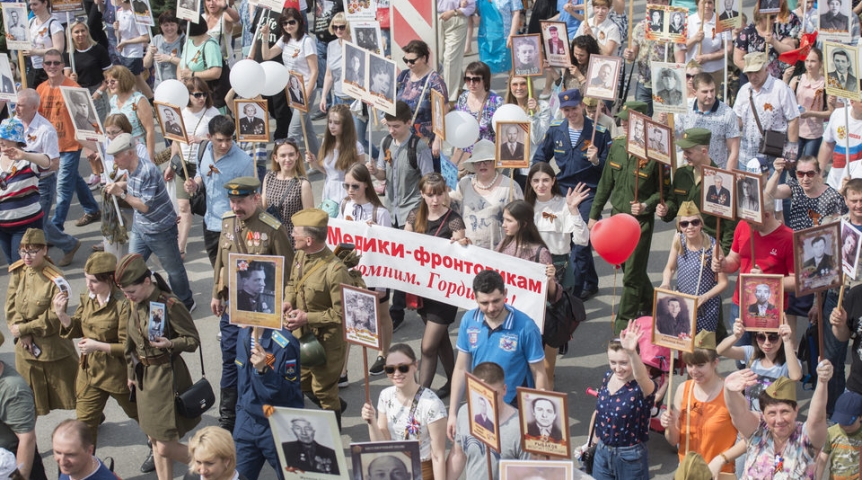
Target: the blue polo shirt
pixel 513 345
pixel 235 163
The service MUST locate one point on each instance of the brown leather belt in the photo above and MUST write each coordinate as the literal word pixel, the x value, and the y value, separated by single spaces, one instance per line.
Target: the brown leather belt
pixel 157 360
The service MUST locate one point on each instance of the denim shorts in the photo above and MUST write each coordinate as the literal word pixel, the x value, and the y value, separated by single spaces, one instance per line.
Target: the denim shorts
pixel 135 65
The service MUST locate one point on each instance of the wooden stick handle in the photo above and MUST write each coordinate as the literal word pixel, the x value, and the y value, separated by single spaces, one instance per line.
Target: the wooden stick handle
pixel 304 131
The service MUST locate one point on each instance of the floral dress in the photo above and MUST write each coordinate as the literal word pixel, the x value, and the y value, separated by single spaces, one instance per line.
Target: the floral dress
pixel 750 41
pixel 410 421
pixel 489 108
pixel 409 92
pixel 693 268
pixel 796 461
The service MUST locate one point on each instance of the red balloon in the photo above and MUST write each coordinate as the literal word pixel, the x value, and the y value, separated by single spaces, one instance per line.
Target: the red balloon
pixel 615 238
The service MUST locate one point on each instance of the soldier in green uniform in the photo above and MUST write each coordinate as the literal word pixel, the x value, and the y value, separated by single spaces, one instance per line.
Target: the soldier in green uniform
pixel 312 303
pixel 46 361
pixel 100 322
pixel 155 368
pixel 246 229
pixel 618 185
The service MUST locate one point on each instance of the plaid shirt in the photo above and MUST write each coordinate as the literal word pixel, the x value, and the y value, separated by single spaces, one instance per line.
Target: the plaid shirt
pixel 147 184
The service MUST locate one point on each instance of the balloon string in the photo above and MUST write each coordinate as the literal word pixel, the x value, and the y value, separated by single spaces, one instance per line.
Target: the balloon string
pixel 614 300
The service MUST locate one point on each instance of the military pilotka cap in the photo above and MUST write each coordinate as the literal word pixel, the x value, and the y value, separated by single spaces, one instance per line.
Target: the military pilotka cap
pixel 754 62
pixel 310 217
pixel 242 186
pixel 640 107
pixel 687 209
pixel 119 144
pixel 693 467
pixel 590 101
pixel 694 137
pixel 34 236
pixel 705 340
pixel 782 389
pixel 100 262
pixel 130 269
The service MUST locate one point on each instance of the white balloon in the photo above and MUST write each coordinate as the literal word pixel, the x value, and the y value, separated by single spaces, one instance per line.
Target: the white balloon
pixel 173 92
pixel 276 77
pixel 462 129
pixel 509 113
pixel 247 78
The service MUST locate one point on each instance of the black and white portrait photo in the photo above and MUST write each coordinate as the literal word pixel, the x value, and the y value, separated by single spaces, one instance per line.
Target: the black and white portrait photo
pixel 527 55
pixel 834 15
pixel 308 440
pixel 727 9
pixel 483 412
pixel 7 80
pixel 817 264
pixel 252 120
pixel 360 316
pixel 354 65
pixel 770 6
pixel 15 23
pixel 513 144
pixel 602 77
pixel 386 460
pixel 188 10
pixel 636 141
pixel 851 241
pixel 143 15
pixel 296 92
pixel 171 120
pixel 669 87
pixel 381 75
pixel 542 415
pixel 718 195
pixel 366 35
pixel 658 141
pixel 83 113
pixel 749 195
pixel 536 470
pixel 656 19
pixel 555 36
pixel 156 325
pixel 256 287
pixel 842 63
pixel 674 319
pixel 677 23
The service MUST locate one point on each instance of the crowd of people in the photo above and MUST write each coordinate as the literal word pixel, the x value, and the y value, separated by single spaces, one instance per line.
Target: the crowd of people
pixel 744 82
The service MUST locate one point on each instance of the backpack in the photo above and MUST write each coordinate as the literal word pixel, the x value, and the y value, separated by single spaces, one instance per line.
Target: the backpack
pixel 562 317
pixel 411 149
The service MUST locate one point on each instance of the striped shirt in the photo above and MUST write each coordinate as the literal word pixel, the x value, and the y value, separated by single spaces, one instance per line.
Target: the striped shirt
pixel 147 184
pixel 574 135
pixel 19 197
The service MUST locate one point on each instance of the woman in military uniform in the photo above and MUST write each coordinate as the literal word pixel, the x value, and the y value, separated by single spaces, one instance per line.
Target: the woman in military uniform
pixel 100 322
pixel 155 368
pixel 46 361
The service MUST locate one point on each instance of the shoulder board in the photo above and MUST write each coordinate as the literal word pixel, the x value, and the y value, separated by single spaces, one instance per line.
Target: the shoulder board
pixel 16 265
pixel 269 220
pixel 278 338
pixel 601 128
pixel 51 271
pixel 228 214
pixel 557 122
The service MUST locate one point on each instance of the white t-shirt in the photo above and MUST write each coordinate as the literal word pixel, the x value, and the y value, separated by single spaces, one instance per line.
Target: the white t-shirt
pixel 605 32
pixel 712 42
pixel 199 122
pixel 129 30
pixel 295 54
pixel 429 409
pixel 835 133
pixel 41 35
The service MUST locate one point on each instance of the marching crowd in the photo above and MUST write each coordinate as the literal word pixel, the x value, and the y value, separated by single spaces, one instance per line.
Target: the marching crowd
pixel 759 79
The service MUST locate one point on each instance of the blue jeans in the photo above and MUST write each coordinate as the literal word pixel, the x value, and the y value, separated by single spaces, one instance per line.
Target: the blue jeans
pixel 836 352
pixel 229 334
pixel 321 64
pixel 362 135
pixel 10 240
pixel 621 463
pixel 53 235
pixel 643 94
pixel 809 146
pixel 584 268
pixel 70 182
pixel 254 446
pixel 164 245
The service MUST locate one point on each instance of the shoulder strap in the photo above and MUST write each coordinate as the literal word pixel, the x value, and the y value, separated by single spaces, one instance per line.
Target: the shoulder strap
pixel 412 414
pixel 168 301
pixel 754 110
pixel 201 149
pixel 387 142
pixel 411 152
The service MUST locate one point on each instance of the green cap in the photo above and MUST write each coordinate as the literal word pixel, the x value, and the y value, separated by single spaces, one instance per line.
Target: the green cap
pixel 782 388
pixel 242 186
pixel 310 217
pixel 640 107
pixel 694 137
pixel 705 340
pixel 100 262
pixel 131 268
pixel 34 236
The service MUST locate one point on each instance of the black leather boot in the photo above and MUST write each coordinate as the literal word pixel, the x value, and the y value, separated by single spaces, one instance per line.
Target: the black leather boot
pixel 227 409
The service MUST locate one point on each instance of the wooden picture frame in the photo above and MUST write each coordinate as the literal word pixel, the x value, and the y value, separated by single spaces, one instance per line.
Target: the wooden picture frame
pixel 360 315
pixel 659 142
pixel 674 320
pixel 814 257
pixel 171 122
pixel 252 120
pixel 287 424
pixel 401 459
pixel 636 134
pixel 851 242
pixel 295 92
pixel 439 109
pixel 544 411
pixel 83 115
pixel 506 158
pixel 718 193
pixel 602 75
pixel 749 197
pixel 484 412
pixel 761 302
pixel 256 286
pixel 381 83
pixel 555 40
pixel 527 55
pixel 354 61
pixel 837 56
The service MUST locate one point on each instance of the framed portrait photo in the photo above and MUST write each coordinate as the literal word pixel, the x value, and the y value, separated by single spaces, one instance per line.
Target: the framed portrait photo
pixel 256 284
pixel 171 121
pixel 527 55
pixel 602 75
pixel 717 193
pixel 544 422
pixel 295 430
pixel 669 87
pixel 7 80
pixel 636 136
pixel 366 35
pixel 676 24
pixel 769 6
pixel 295 90
pixel 82 112
pixel 484 412
pixel 842 70
pixel 835 19
pixel 851 241
pixel 674 320
pixel 376 460
pixel 143 12
pixel 536 469
pixel 156 323
pixel 188 10
pixel 815 253
pixel 439 107
pixel 761 302
pixel 354 73
pixel 381 83
pixel 728 12
pixel 658 142
pixel 59 6
pixel 252 120
pixel 360 316
pixel 749 197
pixel 555 36
pixel 654 29
pixel 513 144
pixel 16 27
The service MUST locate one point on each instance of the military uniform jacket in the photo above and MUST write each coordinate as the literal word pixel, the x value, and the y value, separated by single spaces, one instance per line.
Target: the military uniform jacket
pixel 29 305
pixel 572 160
pixel 155 383
pixel 279 384
pixel 618 182
pixel 261 234
pixel 320 295
pixel 686 189
pixel 108 323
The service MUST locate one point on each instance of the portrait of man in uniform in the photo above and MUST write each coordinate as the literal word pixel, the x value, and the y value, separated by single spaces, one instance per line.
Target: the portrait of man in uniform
pixel 527 57
pixel 305 453
pixel 832 17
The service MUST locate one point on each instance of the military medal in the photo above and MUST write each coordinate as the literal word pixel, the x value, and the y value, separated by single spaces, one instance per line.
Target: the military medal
pixel 249 238
pixel 264 236
pixel 256 239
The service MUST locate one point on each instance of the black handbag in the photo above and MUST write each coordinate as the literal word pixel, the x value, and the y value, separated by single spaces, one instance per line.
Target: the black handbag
pixel 772 141
pixel 588 456
pixel 198 398
pixel 198 201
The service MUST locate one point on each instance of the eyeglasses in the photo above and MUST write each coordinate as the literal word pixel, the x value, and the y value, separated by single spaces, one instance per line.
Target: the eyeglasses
pixel 761 337
pixel 401 367
pixel 51 63
pixel 198 94
pixel 686 223
pixel 339 27
pixel 689 76
pixel 410 61
pixel 111 81
pixel 809 174
pixel 28 253
pixel 351 186
pixel 289 22
pixel 472 79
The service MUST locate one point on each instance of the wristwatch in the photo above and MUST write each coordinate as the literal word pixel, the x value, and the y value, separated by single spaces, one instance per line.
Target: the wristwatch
pixel 123 196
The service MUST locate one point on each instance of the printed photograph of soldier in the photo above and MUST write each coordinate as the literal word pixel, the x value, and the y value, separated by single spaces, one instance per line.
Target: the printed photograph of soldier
pixel 252 118
pixel 636 143
pixel 669 85
pixel 816 262
pixel 309 446
pixel 718 198
pixel 7 80
pixel 834 15
pixel 255 286
pixel 354 65
pixel 171 120
pixel 601 77
pixel 760 302
pixel 850 244
pixel 526 54
pixel 15 24
pixel 82 112
pixel 360 316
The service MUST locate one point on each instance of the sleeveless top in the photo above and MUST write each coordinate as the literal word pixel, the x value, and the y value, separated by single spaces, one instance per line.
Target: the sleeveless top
pixel 712 430
pixel 130 110
pixel 689 269
pixel 292 199
pixel 218 34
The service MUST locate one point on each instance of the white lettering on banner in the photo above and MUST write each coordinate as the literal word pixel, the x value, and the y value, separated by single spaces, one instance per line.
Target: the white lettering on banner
pixel 436 269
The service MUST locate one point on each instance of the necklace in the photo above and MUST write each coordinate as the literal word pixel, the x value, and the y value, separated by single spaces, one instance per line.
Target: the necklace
pixel 481 186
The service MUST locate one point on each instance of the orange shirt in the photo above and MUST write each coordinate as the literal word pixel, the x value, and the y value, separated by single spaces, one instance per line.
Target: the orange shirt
pixel 53 107
pixel 712 431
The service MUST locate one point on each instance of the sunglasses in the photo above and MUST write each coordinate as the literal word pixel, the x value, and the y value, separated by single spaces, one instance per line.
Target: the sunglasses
pixel 773 337
pixel 339 27
pixel 198 94
pixel 351 186
pixel 51 63
pixel 410 61
pixel 693 223
pixel 289 22
pixel 472 79
pixel 809 174
pixel 402 367
pixel 689 76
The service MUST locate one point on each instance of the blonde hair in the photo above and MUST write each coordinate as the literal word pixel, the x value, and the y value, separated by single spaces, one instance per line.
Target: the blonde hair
pixel 340 17
pixel 90 41
pixel 213 442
